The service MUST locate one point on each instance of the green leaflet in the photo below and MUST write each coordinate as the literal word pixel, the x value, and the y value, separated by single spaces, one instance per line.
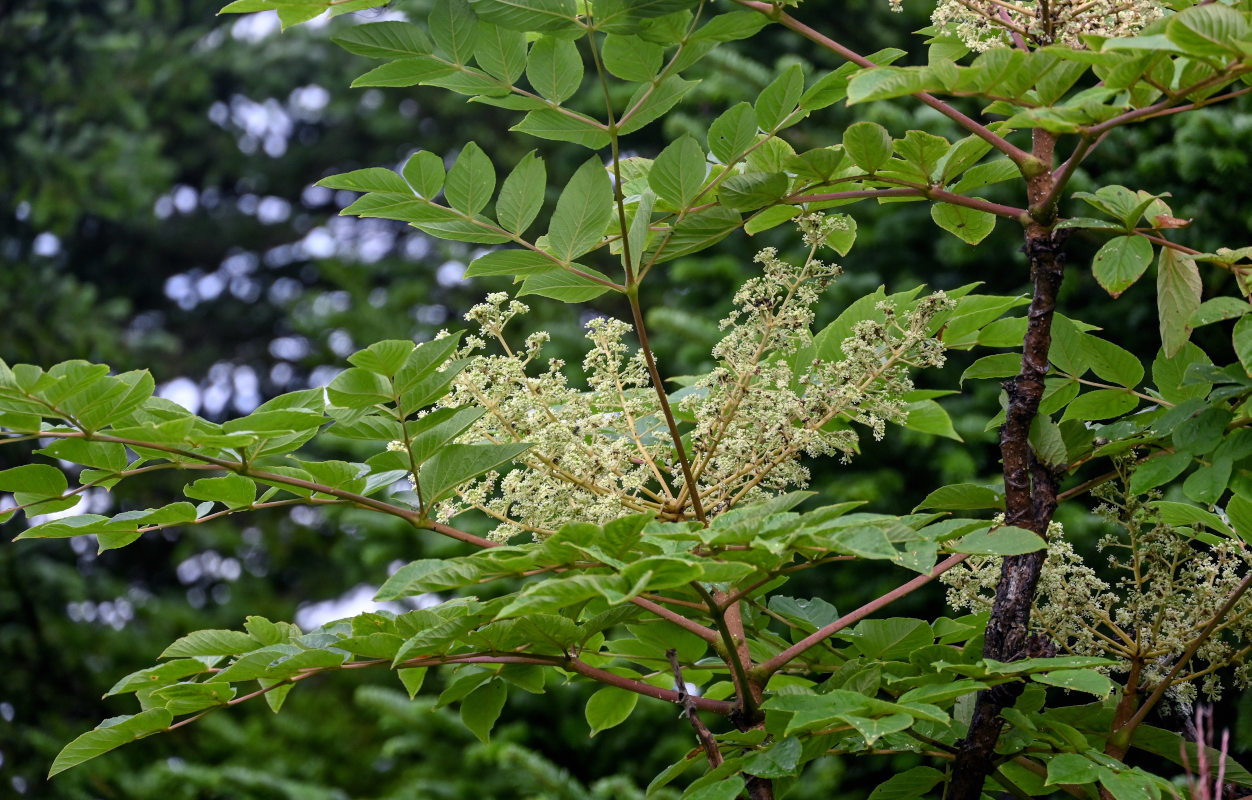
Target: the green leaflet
pixel 110 734
pixel 752 190
pixel 528 15
pixel 732 133
pixel 471 182
pixel 582 213
pixel 457 464
pixel 500 52
pixel 609 707
pixel 519 263
pixel 453 26
pixel 566 285
pixel 677 174
pixel 389 39
pixel 424 171
pixel 1005 540
pixel 481 709
pixel 1120 262
pixel 405 72
pixel 554 68
pixel 631 58
pixel 967 224
pixel 521 196
pixel 868 145
pixel 564 127
pixel 777 101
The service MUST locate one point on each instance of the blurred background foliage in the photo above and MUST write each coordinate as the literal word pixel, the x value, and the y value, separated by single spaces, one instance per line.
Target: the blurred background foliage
pixel 157 210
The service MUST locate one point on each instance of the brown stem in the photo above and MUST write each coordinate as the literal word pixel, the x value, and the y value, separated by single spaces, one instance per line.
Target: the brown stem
pixel 754 688
pixel 690 490
pixel 722 707
pixel 977 203
pixel 799 648
pixel 1030 496
pixel 412 517
pixel 734 655
pixel 692 626
pixel 703 734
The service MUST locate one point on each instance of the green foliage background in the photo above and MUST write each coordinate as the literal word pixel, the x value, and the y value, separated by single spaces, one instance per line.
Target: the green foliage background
pixel 147 137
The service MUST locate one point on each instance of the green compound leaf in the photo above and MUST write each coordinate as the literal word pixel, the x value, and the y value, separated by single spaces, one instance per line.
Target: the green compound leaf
pixel 609 707
pixel 1120 262
pixel 582 213
pixel 968 224
pixel 110 734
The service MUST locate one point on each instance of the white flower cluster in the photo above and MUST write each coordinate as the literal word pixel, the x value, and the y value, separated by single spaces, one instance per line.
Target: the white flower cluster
pixel 1170 585
pixel 986 24
pixel 607 451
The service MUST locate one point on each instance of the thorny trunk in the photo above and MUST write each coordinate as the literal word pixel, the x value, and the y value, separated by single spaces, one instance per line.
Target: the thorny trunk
pixel 1030 499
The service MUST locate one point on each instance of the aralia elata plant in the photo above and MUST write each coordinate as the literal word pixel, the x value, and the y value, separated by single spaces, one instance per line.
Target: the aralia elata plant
pixel 645 538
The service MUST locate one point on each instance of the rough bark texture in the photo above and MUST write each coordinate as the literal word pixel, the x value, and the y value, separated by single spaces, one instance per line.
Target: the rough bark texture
pixel 1030 499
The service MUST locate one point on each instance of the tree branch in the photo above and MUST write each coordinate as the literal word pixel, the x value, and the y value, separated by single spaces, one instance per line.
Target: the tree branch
pixel 1018 155
pixel 703 734
pixel 1030 498
pixel 796 650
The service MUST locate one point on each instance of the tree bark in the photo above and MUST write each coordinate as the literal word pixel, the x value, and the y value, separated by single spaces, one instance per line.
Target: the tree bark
pixel 1030 500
